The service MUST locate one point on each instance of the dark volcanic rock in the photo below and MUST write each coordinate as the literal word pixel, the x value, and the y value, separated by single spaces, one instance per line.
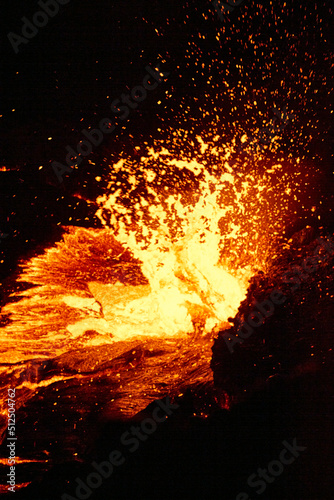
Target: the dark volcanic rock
pixel 283 371
pixel 293 337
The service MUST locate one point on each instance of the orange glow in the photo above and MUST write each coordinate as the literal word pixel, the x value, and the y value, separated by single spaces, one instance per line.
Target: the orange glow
pixel 194 230
pixel 183 231
pixel 198 234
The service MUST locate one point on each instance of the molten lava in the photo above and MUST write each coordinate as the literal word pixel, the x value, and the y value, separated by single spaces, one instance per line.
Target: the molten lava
pixel 129 310
pixel 181 238
pixel 196 232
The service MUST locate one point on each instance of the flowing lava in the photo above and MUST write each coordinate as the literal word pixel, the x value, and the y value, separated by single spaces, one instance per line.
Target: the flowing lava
pixel 198 234
pixel 181 238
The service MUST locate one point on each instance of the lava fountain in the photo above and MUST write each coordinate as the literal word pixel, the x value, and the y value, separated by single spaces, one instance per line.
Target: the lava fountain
pixel 136 303
pixel 200 233
pixel 181 237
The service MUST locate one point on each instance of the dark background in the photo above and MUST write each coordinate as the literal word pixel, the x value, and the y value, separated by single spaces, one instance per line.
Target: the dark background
pixel 65 78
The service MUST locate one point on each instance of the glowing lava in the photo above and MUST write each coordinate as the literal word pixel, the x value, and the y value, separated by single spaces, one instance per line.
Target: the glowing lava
pixel 196 232
pixel 182 236
pixel 137 302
